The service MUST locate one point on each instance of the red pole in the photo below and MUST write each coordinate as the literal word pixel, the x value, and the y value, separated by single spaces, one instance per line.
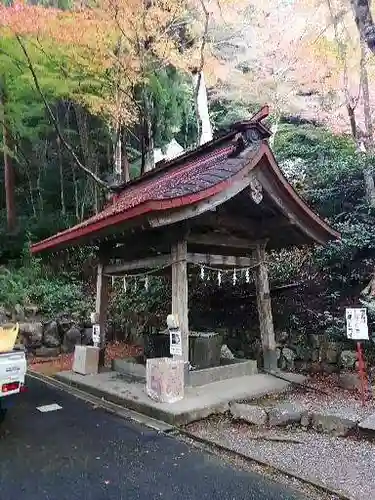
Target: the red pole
pixel 362 373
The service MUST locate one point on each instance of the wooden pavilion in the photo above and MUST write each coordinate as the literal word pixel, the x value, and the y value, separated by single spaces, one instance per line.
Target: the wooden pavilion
pixel 221 205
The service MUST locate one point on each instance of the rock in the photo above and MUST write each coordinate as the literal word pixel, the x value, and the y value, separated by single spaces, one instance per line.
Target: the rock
pixel 47 352
pixel 282 363
pixel 316 340
pixel 331 352
pixel 329 368
pixel 303 353
pixel 287 363
pixel 31 310
pixel 51 335
pixel 19 313
pixel 332 424
pixel 3 316
pixel 371 374
pixel 226 353
pixel 288 354
pixel 314 367
pixel 350 381
pixel 368 424
pixel 87 336
pixel 71 339
pixel 305 420
pixel 315 355
pixel 32 333
pixel 252 414
pixel 283 337
pixel 65 324
pixel 348 359
pixel 301 366
pixel 284 414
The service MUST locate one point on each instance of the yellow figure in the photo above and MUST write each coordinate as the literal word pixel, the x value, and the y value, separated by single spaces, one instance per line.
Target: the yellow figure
pixel 8 338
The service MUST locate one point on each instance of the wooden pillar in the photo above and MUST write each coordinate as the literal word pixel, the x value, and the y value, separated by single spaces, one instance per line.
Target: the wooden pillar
pixel 102 292
pixel 180 293
pixel 265 310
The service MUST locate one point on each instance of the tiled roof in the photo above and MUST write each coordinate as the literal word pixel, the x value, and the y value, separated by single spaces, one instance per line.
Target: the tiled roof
pixel 180 184
pixel 193 177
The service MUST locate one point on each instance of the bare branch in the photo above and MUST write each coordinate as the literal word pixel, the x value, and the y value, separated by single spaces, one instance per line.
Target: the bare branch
pixel 52 117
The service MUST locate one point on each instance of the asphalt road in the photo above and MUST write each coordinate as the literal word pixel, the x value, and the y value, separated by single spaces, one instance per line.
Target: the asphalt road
pixel 82 452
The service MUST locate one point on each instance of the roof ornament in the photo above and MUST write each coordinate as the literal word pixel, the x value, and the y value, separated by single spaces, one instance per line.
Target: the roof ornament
pixel 256 191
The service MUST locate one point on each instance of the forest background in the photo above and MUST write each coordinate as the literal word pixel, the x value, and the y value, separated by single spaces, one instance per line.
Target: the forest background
pixel 92 93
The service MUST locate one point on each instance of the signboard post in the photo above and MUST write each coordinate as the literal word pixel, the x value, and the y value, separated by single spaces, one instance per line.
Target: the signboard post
pixel 357 329
pixel 175 338
pixel 96 335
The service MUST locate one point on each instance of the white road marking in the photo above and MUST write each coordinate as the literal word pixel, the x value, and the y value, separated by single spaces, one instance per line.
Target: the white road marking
pixel 46 408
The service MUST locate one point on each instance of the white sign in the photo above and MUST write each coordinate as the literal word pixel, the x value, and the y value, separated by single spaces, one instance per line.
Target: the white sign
pixel 96 334
pixel 175 342
pixel 356 323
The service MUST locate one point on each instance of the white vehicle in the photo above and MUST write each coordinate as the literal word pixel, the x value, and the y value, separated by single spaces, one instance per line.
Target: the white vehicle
pixel 13 369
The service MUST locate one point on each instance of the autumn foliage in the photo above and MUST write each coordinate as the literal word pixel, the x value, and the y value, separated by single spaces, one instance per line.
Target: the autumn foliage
pixel 115 45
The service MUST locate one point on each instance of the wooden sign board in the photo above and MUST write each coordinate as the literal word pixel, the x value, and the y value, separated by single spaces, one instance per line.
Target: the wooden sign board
pixel 175 342
pixel 96 334
pixel 356 323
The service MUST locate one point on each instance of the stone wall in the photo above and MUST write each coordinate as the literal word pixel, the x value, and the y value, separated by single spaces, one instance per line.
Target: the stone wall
pixel 307 354
pixel 46 338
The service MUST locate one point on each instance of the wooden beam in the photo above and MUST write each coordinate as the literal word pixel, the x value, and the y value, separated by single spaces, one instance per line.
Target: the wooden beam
pixel 222 240
pixel 265 311
pixel 138 244
pixel 180 293
pixel 284 205
pixel 220 260
pixel 101 306
pixel 244 225
pixel 135 265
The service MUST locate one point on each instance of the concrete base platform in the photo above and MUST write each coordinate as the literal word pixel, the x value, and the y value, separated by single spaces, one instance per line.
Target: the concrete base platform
pixel 231 369
pixel 199 402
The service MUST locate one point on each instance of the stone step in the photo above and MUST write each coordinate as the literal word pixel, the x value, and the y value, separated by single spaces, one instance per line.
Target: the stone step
pixel 368 424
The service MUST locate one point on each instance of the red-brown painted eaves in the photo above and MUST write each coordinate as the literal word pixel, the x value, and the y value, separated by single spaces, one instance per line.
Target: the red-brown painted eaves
pixel 293 195
pixel 73 234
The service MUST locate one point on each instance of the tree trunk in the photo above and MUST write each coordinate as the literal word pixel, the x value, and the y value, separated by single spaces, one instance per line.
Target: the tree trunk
pixel 204 129
pixel 76 200
pixel 274 129
pixel 148 159
pixel 117 155
pixel 32 202
pixel 8 166
pixel 61 172
pixel 364 21
pixel 369 139
pixel 88 152
pixel 125 161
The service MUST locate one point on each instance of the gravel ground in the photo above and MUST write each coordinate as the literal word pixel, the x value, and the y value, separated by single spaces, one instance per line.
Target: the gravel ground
pixel 343 464
pixel 309 492
pixel 340 402
pixel 328 399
